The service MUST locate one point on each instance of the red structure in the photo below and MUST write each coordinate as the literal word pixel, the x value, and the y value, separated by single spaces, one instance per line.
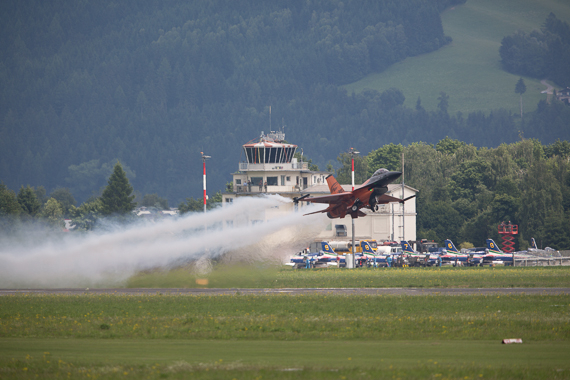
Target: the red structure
pixel 508 232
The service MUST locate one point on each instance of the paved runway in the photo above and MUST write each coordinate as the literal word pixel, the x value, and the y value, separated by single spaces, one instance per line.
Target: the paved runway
pixel 294 291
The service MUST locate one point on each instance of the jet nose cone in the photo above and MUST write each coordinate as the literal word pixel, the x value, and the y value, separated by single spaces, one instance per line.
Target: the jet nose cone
pixel 393 175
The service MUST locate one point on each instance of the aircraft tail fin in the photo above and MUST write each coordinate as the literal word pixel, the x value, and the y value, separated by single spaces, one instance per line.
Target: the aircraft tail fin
pixel 406 247
pixel 366 248
pixel 334 186
pixel 327 248
pixel 533 243
pixel 450 246
pixel 493 247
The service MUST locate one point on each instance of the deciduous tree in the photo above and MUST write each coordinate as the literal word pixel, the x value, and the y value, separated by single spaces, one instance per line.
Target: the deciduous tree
pixel 28 201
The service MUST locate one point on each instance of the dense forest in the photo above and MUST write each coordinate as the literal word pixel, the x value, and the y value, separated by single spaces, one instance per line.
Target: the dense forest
pixel 152 84
pixel 543 53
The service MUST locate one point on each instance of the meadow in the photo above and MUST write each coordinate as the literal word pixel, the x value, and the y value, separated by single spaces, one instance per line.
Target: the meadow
pixel 271 277
pixel 283 336
pixel 469 69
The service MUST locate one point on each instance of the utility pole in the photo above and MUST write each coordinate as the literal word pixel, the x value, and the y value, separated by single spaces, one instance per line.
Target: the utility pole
pixel 204 158
pixel 403 206
pixel 352 153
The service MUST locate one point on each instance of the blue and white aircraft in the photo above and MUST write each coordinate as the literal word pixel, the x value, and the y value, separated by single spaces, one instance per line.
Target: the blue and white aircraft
pixel 371 256
pixel 453 254
pixel 324 256
pixel 496 254
pixel 432 259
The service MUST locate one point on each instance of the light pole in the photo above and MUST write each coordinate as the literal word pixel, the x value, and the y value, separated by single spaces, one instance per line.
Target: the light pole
pixel 352 153
pixel 204 158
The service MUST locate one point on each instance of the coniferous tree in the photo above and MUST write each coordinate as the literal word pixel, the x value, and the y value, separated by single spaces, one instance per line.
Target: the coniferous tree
pixel 520 88
pixel 118 196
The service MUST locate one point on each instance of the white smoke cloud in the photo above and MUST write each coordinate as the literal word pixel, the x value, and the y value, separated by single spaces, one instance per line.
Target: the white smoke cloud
pixel 232 232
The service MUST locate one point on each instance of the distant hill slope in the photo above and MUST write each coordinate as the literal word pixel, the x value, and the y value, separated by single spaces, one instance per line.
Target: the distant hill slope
pixel 469 69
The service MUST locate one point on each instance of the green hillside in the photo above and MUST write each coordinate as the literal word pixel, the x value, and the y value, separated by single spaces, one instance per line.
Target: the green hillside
pixel 469 69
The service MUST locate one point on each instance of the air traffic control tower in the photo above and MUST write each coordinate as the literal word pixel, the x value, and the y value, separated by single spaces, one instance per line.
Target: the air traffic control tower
pixel 270 167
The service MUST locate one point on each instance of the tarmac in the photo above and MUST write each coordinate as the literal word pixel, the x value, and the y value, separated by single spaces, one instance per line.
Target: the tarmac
pixel 292 291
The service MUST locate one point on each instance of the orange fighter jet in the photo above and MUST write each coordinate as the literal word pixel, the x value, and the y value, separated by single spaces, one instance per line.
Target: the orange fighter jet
pixel 370 194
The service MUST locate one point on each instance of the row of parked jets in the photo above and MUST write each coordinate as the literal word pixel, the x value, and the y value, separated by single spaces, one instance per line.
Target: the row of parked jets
pixel 492 254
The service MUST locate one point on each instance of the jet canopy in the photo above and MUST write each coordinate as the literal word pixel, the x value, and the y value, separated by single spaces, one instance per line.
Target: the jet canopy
pixel 379 172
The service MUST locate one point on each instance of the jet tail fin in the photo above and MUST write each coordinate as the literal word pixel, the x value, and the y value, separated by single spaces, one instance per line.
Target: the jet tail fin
pixel 493 247
pixel 533 243
pixel 450 246
pixel 406 247
pixel 334 186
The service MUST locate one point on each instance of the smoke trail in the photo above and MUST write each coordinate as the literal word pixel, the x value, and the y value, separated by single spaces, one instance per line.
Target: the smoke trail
pixel 235 232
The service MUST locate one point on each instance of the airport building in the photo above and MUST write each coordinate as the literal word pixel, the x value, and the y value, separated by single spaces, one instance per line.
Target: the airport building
pixel 268 166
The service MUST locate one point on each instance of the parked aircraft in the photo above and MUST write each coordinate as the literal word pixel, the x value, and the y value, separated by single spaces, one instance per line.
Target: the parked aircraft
pixel 371 256
pixel 452 254
pixel 546 252
pixel 432 259
pixel 319 253
pixel 370 194
pixel 495 254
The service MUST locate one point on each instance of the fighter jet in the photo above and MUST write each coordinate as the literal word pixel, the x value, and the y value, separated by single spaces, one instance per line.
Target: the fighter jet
pixel 495 255
pixel 370 194
pixel 452 254
pixel 428 259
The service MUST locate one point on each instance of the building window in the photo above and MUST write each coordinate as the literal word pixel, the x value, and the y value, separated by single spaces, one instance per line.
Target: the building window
pixel 238 181
pixel 288 178
pixel 340 230
pixel 272 181
pixel 229 200
pixel 257 181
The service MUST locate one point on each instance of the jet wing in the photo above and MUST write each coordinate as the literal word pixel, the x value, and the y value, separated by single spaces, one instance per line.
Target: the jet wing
pixel 331 199
pixel 389 199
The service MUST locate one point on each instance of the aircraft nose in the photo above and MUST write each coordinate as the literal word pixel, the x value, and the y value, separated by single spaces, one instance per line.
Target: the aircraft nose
pixel 392 176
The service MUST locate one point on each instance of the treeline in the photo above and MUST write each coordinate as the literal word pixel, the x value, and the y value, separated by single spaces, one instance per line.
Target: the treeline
pixel 543 53
pixel 153 83
pixel 465 192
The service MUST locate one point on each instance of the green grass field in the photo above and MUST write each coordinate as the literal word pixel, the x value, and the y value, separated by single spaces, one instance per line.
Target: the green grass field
pixel 284 337
pixel 183 359
pixel 469 69
pixel 445 277
pixel 294 337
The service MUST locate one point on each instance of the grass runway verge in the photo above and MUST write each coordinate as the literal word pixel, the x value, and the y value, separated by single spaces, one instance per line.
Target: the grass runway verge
pixel 445 277
pixel 287 336
pixel 132 358
pixel 283 336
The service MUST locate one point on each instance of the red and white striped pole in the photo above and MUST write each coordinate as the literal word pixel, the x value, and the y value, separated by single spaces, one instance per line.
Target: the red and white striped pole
pixel 204 158
pixel 352 153
pixel 352 156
